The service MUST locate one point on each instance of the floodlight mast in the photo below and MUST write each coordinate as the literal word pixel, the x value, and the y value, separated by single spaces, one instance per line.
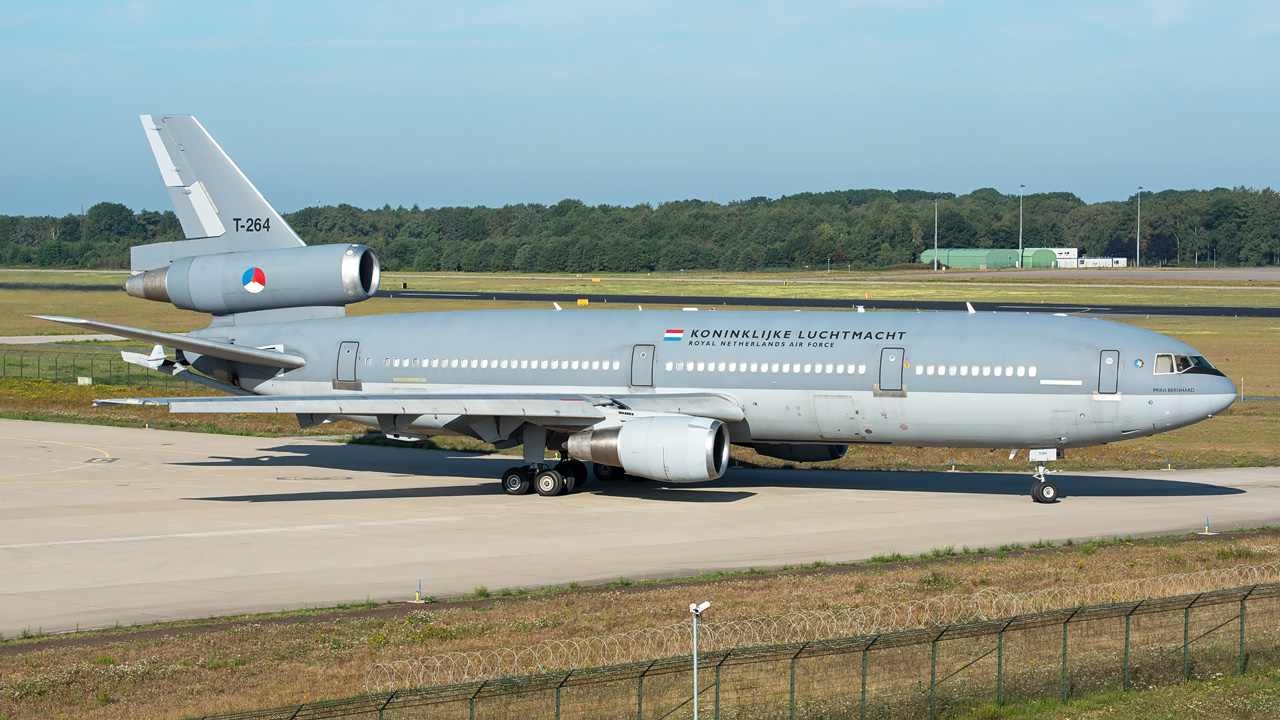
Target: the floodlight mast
pixel 696 609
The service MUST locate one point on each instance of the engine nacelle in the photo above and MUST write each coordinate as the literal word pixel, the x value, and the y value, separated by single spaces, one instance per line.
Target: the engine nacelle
pixel 801 453
pixel 305 276
pixel 675 448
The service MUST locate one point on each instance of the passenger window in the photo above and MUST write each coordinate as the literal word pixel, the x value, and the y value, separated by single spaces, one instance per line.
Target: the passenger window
pixel 615 364
pixel 862 369
pixel 786 367
pixel 964 370
pixel 1008 370
pixel 721 367
pixel 808 367
pixel 775 367
pixel 386 362
pixel 828 368
pixel 368 362
pixel 951 370
pixel 1031 371
pixel 595 365
pixel 919 369
pixel 1021 371
pixel 986 370
pixel 670 365
pixel 973 371
pixel 839 369
pixel 929 370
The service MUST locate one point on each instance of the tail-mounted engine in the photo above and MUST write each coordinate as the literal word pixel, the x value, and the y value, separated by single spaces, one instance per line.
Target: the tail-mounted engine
pixel 304 276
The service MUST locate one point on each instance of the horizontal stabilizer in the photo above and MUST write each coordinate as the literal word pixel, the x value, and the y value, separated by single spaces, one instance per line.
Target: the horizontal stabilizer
pixel 212 348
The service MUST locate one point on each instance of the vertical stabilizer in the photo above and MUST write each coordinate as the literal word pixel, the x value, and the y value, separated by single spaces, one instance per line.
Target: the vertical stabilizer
pixel 220 210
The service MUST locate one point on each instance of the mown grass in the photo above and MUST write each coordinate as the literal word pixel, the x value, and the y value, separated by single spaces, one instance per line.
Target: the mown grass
pixel 252 664
pixel 1253 696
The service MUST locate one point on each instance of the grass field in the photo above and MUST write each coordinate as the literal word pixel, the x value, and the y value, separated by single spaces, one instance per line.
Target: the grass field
pixel 256 663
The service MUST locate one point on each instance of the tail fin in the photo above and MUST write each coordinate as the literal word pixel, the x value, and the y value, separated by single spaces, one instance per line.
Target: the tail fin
pixel 220 210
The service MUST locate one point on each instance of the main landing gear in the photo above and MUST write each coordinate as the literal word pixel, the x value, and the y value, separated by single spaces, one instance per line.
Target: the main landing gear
pixel 567 476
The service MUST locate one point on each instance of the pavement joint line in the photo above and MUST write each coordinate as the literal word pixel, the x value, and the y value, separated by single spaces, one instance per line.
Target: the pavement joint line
pixel 222 533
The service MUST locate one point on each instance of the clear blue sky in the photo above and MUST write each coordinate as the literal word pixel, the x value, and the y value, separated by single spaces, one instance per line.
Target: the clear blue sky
pixel 468 103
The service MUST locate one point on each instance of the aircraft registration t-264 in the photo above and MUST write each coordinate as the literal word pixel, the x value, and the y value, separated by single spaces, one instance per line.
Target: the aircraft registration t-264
pixel 658 395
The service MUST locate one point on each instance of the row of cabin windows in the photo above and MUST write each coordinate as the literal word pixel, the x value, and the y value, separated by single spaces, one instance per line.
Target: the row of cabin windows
pixel 495 364
pixel 974 370
pixel 680 366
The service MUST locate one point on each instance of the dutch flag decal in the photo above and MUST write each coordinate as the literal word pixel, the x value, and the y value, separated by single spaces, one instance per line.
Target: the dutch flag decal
pixel 674 335
pixel 254 280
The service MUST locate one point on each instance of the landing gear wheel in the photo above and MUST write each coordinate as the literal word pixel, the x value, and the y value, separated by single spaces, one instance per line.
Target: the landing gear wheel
pixel 516 481
pixel 606 473
pixel 549 482
pixel 575 469
pixel 1044 492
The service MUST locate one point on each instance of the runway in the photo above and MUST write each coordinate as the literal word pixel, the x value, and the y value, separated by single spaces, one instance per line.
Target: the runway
pixel 107 525
pixel 1098 309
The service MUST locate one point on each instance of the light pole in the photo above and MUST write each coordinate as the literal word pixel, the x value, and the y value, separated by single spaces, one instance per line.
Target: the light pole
pixel 1137 255
pixel 1020 187
pixel 696 609
pixel 935 236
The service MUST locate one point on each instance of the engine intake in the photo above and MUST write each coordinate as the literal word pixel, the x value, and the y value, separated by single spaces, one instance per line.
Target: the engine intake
pixel 324 275
pixel 675 448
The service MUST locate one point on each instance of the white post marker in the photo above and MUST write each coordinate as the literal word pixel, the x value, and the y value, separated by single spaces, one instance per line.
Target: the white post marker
pixel 696 609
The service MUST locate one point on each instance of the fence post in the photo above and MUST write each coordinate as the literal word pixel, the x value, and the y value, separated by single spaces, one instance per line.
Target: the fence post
pixel 933 677
pixel 1125 684
pixel 1000 667
pixel 1186 638
pixel 390 697
pixel 1242 606
pixel 863 714
pixel 793 679
pixel 562 682
pixel 640 691
pixel 1065 623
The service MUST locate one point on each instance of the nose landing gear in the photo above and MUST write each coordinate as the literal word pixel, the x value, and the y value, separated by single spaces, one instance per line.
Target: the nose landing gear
pixel 1044 491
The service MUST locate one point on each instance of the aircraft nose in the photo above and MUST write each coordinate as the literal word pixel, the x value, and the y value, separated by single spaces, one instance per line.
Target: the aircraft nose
pixel 1220 394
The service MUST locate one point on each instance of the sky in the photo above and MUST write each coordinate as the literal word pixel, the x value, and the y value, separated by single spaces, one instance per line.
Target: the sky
pixel 493 103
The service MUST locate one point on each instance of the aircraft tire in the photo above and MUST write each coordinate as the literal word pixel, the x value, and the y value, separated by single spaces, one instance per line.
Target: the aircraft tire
pixel 1044 492
pixel 549 483
pixel 606 473
pixel 516 481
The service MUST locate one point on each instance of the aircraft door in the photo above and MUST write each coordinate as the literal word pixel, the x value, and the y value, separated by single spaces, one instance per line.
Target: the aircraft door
pixel 1109 372
pixel 642 366
pixel 348 354
pixel 891 369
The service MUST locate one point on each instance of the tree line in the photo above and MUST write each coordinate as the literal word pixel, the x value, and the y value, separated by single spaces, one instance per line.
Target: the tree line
pixel 850 229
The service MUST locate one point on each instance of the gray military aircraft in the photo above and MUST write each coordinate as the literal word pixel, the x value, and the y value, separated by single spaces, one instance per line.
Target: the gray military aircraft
pixel 658 395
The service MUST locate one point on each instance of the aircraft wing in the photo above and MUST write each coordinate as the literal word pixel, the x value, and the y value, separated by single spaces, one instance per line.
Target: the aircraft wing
pixel 561 407
pixel 212 348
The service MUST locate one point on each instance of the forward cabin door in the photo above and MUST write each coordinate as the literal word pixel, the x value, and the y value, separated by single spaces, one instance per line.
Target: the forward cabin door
pixel 1109 372
pixel 642 366
pixel 891 369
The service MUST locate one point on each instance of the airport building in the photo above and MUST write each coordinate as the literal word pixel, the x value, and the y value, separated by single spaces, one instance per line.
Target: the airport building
pixel 988 259
pixel 994 259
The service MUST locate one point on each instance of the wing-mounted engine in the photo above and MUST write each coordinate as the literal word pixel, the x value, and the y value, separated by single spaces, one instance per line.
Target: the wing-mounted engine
pixel 676 448
pixel 226 283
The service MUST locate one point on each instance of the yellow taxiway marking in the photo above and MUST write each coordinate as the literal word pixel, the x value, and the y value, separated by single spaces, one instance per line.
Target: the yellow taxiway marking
pixel 105 456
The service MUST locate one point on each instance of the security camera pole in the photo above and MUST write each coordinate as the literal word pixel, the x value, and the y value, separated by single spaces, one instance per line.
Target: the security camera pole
pixel 696 609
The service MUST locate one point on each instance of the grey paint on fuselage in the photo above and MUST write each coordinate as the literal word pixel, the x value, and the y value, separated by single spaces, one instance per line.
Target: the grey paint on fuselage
pixel 1050 400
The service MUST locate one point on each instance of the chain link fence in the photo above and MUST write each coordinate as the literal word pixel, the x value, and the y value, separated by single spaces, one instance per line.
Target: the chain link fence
pixel 919 673
pixel 69 366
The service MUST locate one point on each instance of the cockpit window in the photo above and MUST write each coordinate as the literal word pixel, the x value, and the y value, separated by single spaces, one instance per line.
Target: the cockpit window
pixel 1169 364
